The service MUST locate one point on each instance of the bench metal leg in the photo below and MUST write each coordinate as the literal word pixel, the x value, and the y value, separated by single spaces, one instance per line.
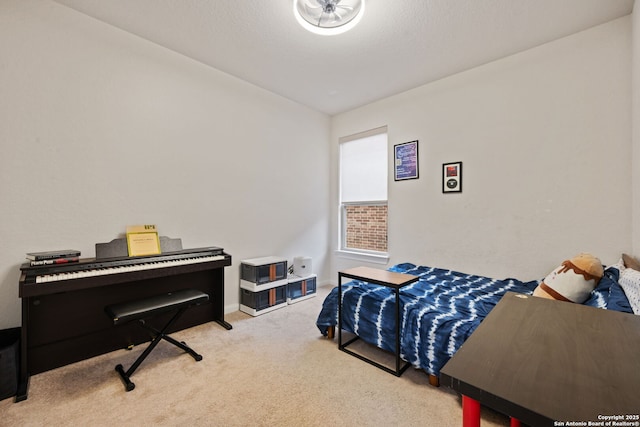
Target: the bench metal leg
pixel 158 336
pixel 183 346
pixel 128 385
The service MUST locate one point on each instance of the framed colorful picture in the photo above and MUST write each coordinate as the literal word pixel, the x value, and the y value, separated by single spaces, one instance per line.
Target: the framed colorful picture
pixel 406 160
pixel 452 177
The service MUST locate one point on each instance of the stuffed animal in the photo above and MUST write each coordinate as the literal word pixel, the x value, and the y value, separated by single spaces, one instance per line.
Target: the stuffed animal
pixel 572 281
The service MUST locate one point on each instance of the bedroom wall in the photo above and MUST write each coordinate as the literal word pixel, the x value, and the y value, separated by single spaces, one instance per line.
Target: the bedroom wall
pixel 544 137
pixel 101 129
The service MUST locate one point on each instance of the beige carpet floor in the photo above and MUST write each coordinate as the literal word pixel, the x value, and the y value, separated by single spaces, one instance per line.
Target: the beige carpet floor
pixel 271 370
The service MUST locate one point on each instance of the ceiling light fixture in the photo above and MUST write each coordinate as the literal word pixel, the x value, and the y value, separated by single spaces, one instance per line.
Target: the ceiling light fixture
pixel 328 17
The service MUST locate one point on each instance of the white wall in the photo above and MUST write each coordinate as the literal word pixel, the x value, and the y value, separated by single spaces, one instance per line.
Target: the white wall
pixel 100 129
pixel 544 137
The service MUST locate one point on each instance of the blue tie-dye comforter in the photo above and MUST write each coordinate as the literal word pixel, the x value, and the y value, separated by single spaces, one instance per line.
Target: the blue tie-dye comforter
pixel 438 312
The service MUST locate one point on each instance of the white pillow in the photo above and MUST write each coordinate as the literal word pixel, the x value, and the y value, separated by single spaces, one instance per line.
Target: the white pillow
pixel 630 284
pixel 619 265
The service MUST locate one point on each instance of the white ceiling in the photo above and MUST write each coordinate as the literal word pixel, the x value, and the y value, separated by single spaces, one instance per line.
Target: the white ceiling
pixel 398 45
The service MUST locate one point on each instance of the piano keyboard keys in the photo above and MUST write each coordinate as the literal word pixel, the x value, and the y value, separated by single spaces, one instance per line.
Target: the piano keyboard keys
pixel 125 269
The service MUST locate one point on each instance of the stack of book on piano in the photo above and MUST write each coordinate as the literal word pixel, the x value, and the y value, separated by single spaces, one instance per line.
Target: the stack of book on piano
pixel 53 257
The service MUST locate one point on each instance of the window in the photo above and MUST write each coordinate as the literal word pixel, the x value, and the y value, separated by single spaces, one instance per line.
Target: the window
pixel 363 192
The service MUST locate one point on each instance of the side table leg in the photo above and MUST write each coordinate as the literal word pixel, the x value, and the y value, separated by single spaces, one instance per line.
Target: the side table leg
pixel 470 412
pixel 340 310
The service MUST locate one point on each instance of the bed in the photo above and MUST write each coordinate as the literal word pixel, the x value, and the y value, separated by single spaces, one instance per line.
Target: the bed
pixel 438 312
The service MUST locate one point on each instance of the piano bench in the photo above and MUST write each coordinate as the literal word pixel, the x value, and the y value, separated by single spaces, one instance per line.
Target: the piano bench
pixel 178 301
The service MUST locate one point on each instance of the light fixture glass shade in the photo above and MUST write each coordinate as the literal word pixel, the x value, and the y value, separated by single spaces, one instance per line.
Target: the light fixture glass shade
pixel 328 17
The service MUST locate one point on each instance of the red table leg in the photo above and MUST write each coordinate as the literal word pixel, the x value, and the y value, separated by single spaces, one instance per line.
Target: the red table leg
pixel 515 422
pixel 470 412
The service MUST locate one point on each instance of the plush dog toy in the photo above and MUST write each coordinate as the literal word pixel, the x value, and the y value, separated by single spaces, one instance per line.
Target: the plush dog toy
pixel 573 281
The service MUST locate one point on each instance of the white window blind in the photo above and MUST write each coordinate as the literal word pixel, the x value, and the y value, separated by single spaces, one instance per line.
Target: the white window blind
pixel 363 169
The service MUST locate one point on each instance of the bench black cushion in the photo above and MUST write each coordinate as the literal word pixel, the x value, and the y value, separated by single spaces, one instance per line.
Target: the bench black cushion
pixel 134 310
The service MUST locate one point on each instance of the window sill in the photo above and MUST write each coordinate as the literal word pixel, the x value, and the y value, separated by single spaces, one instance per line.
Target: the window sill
pixel 378 258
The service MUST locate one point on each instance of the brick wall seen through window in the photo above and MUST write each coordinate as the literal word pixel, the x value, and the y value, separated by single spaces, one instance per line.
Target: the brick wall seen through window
pixel 366 227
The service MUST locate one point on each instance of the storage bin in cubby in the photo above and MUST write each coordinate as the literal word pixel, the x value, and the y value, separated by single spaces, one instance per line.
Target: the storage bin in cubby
pixel 263 270
pixel 261 302
pixel 301 288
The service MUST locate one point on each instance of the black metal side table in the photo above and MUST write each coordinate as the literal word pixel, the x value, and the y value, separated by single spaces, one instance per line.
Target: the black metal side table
pixel 375 276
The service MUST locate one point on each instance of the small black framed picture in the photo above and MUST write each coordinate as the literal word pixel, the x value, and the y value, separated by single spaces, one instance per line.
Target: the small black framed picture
pixel 406 161
pixel 452 177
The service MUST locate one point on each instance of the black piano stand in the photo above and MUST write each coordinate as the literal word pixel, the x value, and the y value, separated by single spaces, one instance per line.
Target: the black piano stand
pixel 178 301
